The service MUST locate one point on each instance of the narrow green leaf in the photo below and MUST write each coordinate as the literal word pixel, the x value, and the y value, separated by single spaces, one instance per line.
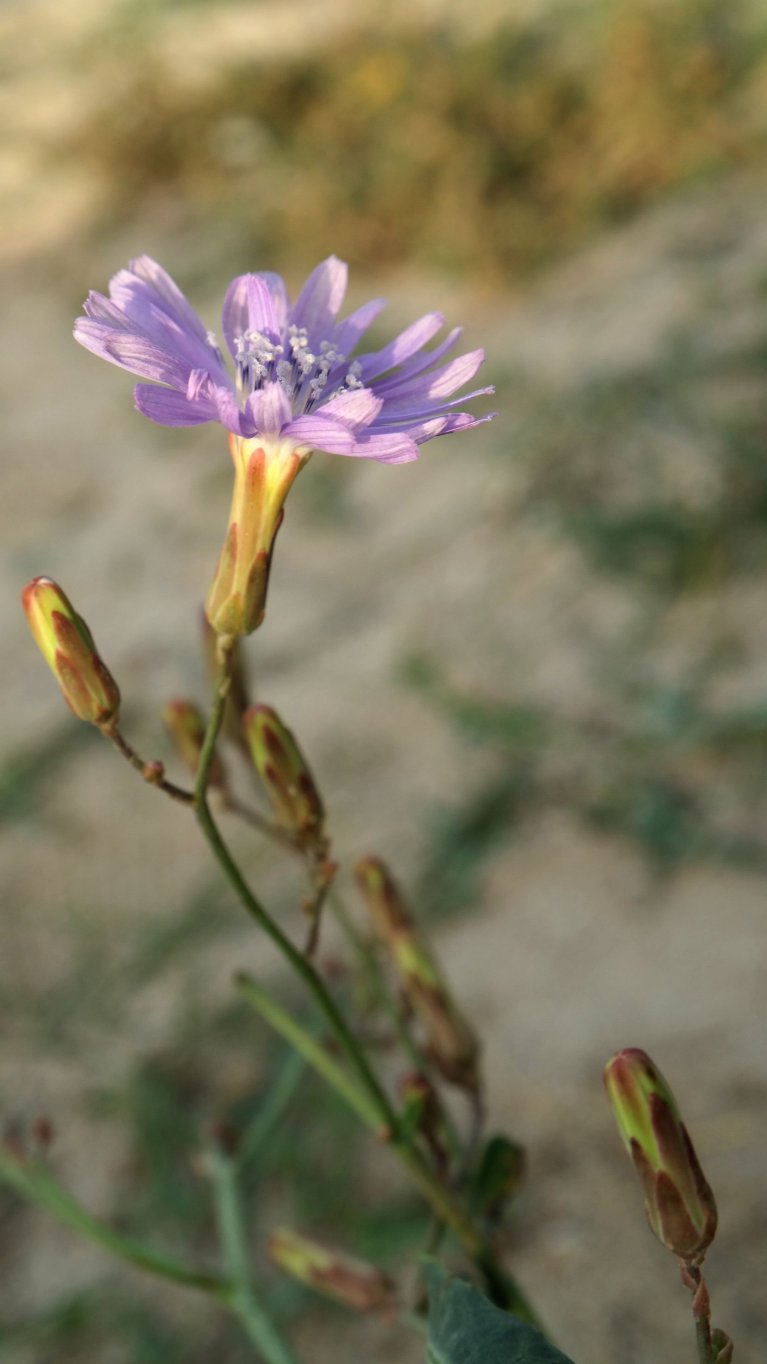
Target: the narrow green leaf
pixel 464 1328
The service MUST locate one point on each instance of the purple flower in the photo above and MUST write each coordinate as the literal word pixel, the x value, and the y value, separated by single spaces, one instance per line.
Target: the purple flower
pixel 294 376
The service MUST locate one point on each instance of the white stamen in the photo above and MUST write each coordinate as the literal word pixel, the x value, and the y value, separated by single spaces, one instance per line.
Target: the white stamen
pixel 303 374
pixel 352 379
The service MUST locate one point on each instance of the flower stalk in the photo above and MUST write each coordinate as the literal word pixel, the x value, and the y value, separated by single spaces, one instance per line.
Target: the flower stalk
pixel 442 1199
pixel 241 1297
pixel 30 1177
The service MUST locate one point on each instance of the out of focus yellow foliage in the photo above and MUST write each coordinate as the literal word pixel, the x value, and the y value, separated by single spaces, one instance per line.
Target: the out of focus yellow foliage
pixel 486 155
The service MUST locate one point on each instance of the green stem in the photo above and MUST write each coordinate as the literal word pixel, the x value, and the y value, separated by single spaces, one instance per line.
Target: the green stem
pixel 270 1112
pixel 224 650
pixel 36 1183
pixel 241 1299
pixel 298 962
pixel 381 994
pixel 313 1052
pixel 703 1341
pixel 442 1200
pixel 153 773
pixel 692 1278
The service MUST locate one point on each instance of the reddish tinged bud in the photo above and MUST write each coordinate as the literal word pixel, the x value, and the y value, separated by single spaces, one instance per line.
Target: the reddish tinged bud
pixel 67 646
pixel 285 773
pixel 264 471
pixel 352 1282
pixel 186 726
pixel 679 1203
pixel 452 1045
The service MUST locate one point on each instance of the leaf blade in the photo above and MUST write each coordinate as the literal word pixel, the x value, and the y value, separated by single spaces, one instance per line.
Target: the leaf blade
pixel 465 1328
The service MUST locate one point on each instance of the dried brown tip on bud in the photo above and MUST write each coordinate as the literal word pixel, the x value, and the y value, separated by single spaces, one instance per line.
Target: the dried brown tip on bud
pixel 356 1284
pixel 286 775
pixel 451 1043
pixel 67 646
pixel 186 726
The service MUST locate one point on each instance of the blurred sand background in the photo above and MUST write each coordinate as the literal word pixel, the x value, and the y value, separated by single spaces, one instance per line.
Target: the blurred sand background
pixel 531 669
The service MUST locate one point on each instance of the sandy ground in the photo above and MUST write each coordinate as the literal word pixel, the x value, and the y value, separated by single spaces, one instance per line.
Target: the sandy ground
pixel 569 951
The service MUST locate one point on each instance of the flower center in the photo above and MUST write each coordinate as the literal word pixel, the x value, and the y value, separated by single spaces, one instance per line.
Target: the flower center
pixel 303 374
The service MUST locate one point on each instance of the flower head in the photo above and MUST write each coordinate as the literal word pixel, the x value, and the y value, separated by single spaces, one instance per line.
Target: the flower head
pixel 294 374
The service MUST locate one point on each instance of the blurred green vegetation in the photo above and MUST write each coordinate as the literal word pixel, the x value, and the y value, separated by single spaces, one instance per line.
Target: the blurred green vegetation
pixel 486 155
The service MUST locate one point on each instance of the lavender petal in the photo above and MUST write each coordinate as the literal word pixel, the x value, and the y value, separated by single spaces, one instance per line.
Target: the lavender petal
pixel 269 409
pixel 169 408
pixel 348 333
pixel 411 340
pixel 320 299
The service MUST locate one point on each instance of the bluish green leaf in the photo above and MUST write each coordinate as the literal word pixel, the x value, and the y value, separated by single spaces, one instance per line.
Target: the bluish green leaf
pixel 464 1328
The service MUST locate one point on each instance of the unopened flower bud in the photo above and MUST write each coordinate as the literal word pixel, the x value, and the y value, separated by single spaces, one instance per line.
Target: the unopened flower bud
pixel 679 1203
pixel 237 697
pixel 264 471
pixel 285 773
pixel 452 1044
pixel 67 646
pixel 352 1282
pixel 186 726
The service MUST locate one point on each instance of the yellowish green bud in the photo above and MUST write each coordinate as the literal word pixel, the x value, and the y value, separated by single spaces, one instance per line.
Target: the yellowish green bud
pixel 285 773
pixel 452 1044
pixel 67 646
pixel 264 471
pixel 186 726
pixel 352 1282
pixel 679 1203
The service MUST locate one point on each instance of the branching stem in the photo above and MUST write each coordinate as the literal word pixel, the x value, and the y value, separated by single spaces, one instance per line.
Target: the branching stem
pixel 241 1297
pixel 34 1181
pixel 442 1199
pixel 152 772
